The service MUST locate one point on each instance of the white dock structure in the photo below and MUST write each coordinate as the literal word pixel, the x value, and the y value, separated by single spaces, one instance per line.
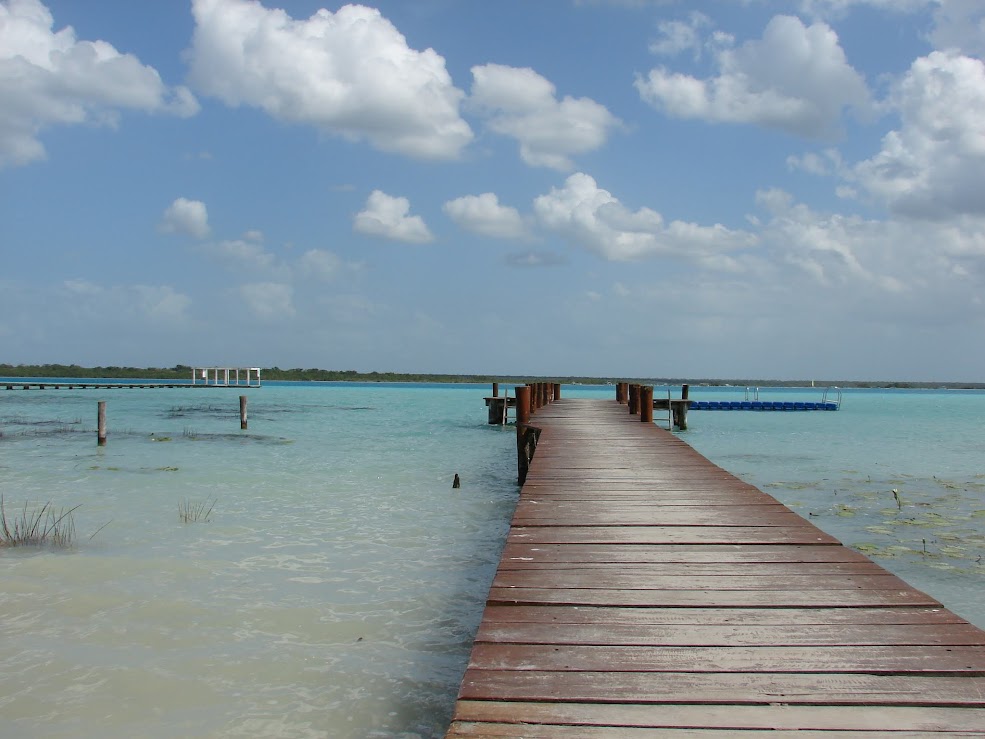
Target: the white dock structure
pixel 226 376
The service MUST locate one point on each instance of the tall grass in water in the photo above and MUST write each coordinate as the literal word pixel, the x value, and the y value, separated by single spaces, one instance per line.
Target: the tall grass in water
pixel 37 526
pixel 190 511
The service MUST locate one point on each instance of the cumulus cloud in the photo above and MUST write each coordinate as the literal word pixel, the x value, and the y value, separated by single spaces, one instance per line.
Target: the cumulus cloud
pixel 159 304
pixel 349 73
pixel 482 214
pixel 387 216
pixel 536 259
pixel 268 301
pixel 594 218
pixel 838 8
pixel 521 104
pixel 795 78
pixel 320 264
pixel 51 78
pixel 676 37
pixel 244 252
pixel 960 25
pixel 933 166
pixel 189 217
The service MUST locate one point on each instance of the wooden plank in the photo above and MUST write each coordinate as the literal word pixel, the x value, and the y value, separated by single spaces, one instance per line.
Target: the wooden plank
pixel 710 598
pixel 892 660
pixel 776 717
pixel 754 688
pixel 635 634
pixel 700 552
pixel 461 729
pixel 716 616
pixel 804 534
pixel 642 580
pixel 602 570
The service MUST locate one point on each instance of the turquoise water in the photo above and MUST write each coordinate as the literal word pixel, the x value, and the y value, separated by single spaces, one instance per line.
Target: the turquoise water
pixel 336 586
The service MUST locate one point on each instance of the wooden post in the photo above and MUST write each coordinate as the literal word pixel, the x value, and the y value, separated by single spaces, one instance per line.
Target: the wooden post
pixel 101 424
pixel 620 392
pixel 242 411
pixel 557 391
pixel 646 404
pixel 522 405
pixel 680 415
pixel 495 389
pixel 684 391
pixel 634 399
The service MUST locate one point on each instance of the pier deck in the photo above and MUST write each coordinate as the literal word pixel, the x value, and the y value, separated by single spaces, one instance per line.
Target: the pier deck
pixel 644 590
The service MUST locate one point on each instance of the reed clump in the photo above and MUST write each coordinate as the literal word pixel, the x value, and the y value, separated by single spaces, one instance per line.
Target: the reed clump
pixel 190 511
pixel 40 525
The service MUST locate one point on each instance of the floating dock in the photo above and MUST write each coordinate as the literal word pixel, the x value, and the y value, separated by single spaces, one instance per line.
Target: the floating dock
pixel 643 591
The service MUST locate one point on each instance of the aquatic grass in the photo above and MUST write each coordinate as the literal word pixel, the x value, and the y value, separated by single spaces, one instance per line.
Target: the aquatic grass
pixel 39 526
pixel 195 511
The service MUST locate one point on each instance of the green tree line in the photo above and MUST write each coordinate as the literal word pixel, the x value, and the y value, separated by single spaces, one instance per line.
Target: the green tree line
pixel 298 374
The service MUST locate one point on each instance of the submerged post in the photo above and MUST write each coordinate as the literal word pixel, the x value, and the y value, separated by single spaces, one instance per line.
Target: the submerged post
pixel 646 404
pixel 101 423
pixel 242 411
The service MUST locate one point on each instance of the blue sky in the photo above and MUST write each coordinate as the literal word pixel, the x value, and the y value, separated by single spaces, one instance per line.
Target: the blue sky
pixel 697 189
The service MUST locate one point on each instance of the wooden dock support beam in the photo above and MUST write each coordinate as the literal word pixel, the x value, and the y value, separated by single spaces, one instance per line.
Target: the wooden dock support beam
pixel 242 412
pixel 101 423
pixel 646 403
pixel 522 405
pixel 634 399
pixel 557 391
pixel 495 390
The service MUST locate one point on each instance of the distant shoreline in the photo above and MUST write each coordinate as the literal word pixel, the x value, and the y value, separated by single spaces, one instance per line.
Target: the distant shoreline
pixel 183 372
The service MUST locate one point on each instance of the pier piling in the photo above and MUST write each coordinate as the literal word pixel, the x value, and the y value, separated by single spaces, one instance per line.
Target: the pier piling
pixel 101 423
pixel 242 412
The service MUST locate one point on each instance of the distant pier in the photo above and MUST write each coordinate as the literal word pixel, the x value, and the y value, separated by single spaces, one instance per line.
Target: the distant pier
pixel 213 377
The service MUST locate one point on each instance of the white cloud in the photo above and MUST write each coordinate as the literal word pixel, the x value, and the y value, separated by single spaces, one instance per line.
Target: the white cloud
pixel 795 78
pixel 188 217
pixel 50 78
pixel 350 73
pixel 268 301
pixel 160 304
pixel 838 8
pixel 594 218
pixel 387 217
pixel 521 104
pixel 933 166
pixel 536 259
pixel 482 214
pixel 243 253
pixel 676 37
pixel 960 25
pixel 320 264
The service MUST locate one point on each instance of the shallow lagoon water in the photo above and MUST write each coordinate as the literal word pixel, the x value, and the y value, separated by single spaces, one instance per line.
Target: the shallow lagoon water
pixel 336 587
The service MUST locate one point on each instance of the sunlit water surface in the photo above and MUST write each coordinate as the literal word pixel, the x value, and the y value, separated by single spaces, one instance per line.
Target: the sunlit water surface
pixel 337 584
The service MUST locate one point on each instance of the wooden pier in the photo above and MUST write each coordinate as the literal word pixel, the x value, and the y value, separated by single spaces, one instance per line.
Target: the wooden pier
pixel 644 591
pixel 211 377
